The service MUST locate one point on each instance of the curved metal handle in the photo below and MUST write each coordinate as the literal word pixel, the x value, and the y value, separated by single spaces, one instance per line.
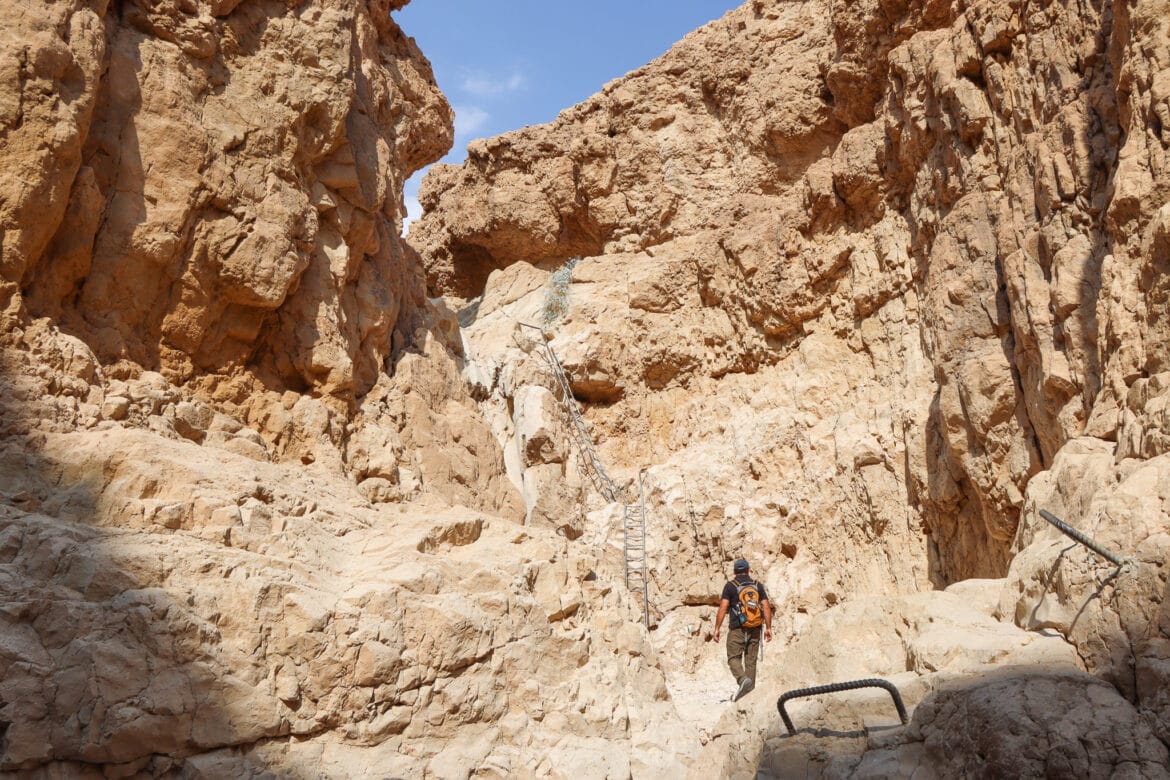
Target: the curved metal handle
pixel 800 693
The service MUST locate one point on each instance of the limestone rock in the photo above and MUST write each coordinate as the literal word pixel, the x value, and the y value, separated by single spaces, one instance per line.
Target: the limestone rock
pixel 216 222
pixel 904 218
pixel 698 124
pixel 862 287
pixel 178 601
pixel 193 241
pixel 1028 723
pixel 864 355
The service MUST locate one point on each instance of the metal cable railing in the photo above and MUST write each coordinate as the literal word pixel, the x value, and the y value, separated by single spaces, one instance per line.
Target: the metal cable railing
pixel 637 573
pixel 800 693
pixel 590 461
pixel 1077 536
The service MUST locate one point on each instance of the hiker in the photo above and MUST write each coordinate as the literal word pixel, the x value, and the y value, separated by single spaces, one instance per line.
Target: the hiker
pixel 750 612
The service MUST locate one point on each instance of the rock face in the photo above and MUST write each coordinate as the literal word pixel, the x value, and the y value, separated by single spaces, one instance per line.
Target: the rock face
pixel 214 194
pixel 974 234
pixel 895 186
pixel 216 363
pixel 172 610
pixel 864 286
pixel 198 205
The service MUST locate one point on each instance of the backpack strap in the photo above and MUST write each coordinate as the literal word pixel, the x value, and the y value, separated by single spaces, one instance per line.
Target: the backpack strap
pixel 741 585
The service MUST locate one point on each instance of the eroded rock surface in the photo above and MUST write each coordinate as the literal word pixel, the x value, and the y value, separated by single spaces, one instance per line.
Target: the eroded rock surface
pixel 213 194
pixel 978 235
pixel 171 610
pixel 199 205
pixel 865 286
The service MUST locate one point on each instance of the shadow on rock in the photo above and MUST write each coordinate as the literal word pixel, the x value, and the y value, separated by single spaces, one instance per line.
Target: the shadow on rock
pixel 104 667
pixel 1014 722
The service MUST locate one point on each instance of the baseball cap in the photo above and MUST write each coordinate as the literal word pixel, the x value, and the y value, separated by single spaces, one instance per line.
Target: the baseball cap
pixel 740 566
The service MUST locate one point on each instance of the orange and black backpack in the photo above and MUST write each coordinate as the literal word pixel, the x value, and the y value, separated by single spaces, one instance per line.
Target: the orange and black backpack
pixel 747 605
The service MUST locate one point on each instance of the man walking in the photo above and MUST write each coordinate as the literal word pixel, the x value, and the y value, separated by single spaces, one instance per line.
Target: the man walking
pixel 750 613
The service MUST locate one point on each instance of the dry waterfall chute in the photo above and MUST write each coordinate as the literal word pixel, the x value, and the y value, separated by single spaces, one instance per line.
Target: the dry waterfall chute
pixel 637 574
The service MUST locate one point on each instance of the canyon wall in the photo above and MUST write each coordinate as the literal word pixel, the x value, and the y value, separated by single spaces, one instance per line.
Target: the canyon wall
pixel 895 184
pixel 864 286
pixel 252 522
pixel 211 193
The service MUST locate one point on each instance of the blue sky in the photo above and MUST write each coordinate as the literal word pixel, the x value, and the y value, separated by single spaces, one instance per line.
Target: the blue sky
pixel 504 65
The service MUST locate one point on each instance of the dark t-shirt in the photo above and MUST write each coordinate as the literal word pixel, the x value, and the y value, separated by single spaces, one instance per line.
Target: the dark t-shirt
pixel 730 591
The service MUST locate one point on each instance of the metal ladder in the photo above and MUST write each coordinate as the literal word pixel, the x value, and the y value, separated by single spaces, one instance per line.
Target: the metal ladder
pixel 634 546
pixel 633 511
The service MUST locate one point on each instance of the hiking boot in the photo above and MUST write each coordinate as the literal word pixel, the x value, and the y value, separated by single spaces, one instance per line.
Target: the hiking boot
pixel 744 687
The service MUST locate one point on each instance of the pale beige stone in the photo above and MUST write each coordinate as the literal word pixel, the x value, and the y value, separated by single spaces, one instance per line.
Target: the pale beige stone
pixel 863 288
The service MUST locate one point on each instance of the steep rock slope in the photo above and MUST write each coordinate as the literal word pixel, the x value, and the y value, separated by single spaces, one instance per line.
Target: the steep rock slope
pixel 218 371
pixel 928 189
pixel 213 192
pixel 867 285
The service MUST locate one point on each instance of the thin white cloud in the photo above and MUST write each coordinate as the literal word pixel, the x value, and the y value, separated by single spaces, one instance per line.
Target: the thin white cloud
pixel 469 120
pixel 482 85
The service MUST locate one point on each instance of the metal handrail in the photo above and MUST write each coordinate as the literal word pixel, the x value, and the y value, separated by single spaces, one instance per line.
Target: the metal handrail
pixel 590 461
pixel 1077 536
pixel 837 688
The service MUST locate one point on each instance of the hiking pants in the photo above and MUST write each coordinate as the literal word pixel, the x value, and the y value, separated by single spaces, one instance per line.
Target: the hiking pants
pixel 743 649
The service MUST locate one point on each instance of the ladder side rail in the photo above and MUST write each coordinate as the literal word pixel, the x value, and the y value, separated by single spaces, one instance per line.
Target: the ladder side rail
pixel 598 476
pixel 645 571
pixel 625 545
